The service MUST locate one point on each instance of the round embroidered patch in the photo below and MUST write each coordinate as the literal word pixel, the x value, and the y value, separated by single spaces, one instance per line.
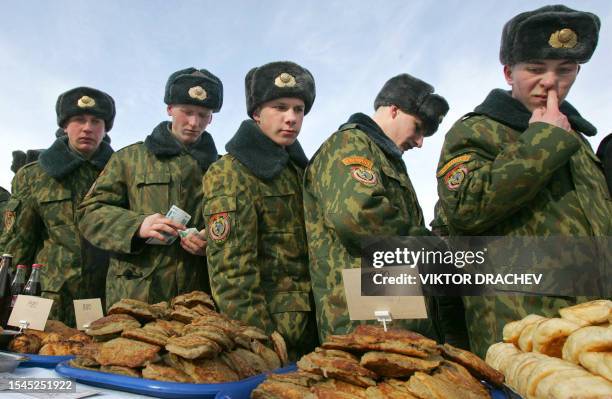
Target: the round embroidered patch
pixel 454 178
pixel 219 227
pixel 364 175
pixel 9 220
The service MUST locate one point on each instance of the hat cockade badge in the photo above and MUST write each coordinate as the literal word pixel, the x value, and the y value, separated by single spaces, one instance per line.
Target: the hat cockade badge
pixel 285 80
pixel 86 102
pixel 198 93
pixel 564 38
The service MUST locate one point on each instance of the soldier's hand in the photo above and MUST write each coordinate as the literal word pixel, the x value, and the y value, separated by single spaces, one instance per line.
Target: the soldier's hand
pixel 551 113
pixel 195 243
pixel 154 224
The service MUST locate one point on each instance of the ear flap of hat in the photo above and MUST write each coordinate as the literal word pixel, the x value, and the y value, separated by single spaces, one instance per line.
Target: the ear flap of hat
pixel 432 111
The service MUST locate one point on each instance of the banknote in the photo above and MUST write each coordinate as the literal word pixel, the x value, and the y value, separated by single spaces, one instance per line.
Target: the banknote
pixel 185 233
pixel 176 214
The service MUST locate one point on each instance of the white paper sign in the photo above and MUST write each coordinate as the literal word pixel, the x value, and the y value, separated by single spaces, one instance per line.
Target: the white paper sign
pixel 33 309
pixel 86 311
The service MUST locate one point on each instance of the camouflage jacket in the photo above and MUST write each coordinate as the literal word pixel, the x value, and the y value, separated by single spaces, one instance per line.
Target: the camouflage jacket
pixel 257 254
pixel 41 224
pixel 140 180
pixel 356 186
pixel 498 175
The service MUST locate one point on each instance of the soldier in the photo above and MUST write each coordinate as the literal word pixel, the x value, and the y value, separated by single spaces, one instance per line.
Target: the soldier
pixel 5 196
pixel 357 186
pixel 127 204
pixel 257 255
pixel 40 219
pixel 519 165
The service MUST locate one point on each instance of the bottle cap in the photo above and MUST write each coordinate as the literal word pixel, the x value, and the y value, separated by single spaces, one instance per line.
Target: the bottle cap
pixel 21 266
pixel 37 266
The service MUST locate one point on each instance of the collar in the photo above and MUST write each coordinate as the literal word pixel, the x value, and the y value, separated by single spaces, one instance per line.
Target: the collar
pixel 263 157
pixel 502 107
pixel 162 143
pixel 374 132
pixel 59 160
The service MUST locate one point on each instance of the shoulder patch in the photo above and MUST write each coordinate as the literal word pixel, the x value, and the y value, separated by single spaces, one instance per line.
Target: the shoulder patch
pixel 364 175
pixel 452 162
pixel 356 160
pixel 455 177
pixel 9 219
pixel 219 227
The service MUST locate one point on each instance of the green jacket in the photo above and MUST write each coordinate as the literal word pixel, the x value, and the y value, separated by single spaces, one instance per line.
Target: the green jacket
pixel 498 175
pixel 257 253
pixel 140 180
pixel 44 229
pixel 356 186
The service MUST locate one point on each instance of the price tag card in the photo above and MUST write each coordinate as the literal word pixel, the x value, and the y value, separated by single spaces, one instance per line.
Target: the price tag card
pixel 363 307
pixel 86 311
pixel 33 309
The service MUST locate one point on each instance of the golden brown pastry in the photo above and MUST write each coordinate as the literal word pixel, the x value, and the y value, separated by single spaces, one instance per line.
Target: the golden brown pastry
pixel 135 308
pixel 64 348
pixel 598 363
pixel 192 299
pixel 121 370
pixel 193 346
pixel 332 389
pixel 394 365
pixel 146 335
pixel 126 352
pixel 112 324
pixel 587 339
pixel 588 313
pixel 341 368
pixel 160 372
pixel 25 343
pixel 550 335
pixel 512 331
pixel 475 365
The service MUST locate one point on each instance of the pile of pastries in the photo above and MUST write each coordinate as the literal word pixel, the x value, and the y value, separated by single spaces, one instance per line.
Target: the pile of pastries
pixel 373 363
pixel 184 341
pixel 56 340
pixel 563 357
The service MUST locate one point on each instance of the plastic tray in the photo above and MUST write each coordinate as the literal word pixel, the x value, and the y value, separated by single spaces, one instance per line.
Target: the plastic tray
pixel 47 362
pixel 160 389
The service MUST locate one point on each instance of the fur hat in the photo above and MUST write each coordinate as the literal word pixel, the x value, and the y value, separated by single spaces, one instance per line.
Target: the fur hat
pixel 85 100
pixel 276 80
pixel 21 158
pixel 196 87
pixel 550 32
pixel 414 97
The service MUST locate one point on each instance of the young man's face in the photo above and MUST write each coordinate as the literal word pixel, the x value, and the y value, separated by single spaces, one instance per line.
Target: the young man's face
pixel 189 121
pixel 406 130
pixel 532 80
pixel 281 119
pixel 85 132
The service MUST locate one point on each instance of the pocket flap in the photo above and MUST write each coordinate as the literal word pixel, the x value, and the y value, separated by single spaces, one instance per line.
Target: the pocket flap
pixel 56 195
pixel 291 301
pixel 152 178
pixel 222 203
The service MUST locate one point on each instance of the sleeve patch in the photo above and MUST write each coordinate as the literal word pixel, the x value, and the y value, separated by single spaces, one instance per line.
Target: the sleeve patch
pixel 9 220
pixel 453 162
pixel 219 227
pixel 364 175
pixel 455 177
pixel 358 161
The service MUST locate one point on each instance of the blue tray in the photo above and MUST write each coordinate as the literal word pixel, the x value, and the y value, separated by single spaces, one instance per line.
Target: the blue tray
pixel 160 389
pixel 47 362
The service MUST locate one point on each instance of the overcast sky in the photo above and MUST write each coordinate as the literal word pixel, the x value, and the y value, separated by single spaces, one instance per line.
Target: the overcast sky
pixel 128 49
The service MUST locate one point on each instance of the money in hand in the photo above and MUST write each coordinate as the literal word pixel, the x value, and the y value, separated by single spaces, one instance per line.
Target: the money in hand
pixel 176 214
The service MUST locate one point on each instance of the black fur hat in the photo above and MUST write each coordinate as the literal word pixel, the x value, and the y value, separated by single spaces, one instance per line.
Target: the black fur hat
pixel 85 100
pixel 414 97
pixel 550 32
pixel 276 80
pixel 21 158
pixel 196 87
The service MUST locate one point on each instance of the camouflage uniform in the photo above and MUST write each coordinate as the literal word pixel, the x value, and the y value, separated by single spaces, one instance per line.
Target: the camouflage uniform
pixel 42 228
pixel 140 180
pixel 257 254
pixel 356 186
pixel 498 175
